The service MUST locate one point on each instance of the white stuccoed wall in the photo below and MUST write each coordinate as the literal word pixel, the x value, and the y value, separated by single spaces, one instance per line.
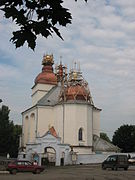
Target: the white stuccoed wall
pixel 96 158
pixel 38 91
pixel 89 125
pixel 58 120
pixel 45 119
pixel 75 118
pixel 70 135
pixel 29 126
pixel 91 158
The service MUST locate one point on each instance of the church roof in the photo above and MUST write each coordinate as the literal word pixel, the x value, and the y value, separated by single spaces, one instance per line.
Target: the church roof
pixel 51 98
pixel 53 131
pixel 100 145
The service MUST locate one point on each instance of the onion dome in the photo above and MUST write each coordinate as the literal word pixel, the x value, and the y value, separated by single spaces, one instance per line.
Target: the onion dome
pixel 76 88
pixel 47 75
pixel 76 92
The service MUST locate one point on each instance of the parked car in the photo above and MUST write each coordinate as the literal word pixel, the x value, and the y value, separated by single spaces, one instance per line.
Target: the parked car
pixel 131 160
pixel 116 161
pixel 24 166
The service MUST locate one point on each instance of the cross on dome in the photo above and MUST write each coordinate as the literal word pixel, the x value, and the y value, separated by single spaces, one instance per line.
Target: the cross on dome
pixel 48 59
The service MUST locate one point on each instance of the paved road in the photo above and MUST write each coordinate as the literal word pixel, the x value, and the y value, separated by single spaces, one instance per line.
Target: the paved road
pixel 82 172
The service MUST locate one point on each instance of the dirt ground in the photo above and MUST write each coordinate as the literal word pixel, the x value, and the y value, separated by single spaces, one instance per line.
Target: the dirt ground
pixel 80 172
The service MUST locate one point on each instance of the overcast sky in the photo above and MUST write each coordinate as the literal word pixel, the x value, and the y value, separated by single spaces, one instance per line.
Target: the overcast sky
pixel 101 38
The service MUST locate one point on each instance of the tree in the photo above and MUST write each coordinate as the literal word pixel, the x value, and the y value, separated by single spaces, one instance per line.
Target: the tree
pixel 35 17
pixel 15 141
pixel 124 138
pixel 6 128
pixel 105 137
pixel 9 134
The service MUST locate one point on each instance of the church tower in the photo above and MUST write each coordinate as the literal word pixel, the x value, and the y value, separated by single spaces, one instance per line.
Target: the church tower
pixel 45 80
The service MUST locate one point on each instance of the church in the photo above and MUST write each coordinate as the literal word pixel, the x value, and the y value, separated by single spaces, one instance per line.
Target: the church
pixel 63 121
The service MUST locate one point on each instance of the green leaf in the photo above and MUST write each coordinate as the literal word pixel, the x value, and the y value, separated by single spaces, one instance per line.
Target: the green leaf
pixel 57 32
pixel 18 38
pixel 34 18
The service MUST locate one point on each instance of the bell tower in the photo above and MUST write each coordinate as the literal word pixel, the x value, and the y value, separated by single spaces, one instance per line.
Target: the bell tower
pixel 45 80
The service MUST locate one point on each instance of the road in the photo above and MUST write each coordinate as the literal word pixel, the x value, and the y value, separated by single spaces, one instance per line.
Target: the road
pixel 80 172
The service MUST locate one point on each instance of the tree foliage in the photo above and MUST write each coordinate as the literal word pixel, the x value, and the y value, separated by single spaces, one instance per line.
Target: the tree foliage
pixel 9 134
pixel 105 137
pixel 17 130
pixel 35 17
pixel 124 138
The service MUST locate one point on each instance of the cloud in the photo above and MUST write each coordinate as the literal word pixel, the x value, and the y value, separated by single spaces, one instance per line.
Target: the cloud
pixel 8 72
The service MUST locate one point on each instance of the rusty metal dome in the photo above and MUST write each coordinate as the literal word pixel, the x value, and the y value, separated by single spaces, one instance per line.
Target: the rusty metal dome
pixel 47 75
pixel 76 92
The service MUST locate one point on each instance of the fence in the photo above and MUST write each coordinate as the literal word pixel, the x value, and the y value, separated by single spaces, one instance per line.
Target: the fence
pixel 4 162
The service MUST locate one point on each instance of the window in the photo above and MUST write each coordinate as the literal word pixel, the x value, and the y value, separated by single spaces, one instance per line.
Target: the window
pixel 80 134
pixel 27 163
pixel 111 158
pixel 19 163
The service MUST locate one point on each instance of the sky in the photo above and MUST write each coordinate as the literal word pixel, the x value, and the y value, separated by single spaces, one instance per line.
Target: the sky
pixel 101 37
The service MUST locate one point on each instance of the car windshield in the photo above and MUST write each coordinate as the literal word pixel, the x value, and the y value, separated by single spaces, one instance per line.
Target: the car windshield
pixel 111 158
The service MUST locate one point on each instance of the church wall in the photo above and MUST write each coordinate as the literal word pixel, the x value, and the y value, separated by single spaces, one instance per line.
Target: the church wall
pixel 89 125
pixel 25 129
pixel 69 124
pixel 58 120
pixel 38 91
pixel 32 127
pixel 29 126
pixel 96 122
pixel 75 118
pixel 81 122
pixel 45 119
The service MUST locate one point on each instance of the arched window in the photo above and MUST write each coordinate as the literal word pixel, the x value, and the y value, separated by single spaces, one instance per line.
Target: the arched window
pixel 32 128
pixel 26 129
pixel 80 134
pixel 32 116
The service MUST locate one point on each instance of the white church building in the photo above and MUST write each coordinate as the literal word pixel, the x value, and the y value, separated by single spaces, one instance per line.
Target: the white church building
pixel 63 123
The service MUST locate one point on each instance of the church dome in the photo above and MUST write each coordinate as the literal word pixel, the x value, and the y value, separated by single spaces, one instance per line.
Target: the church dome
pixel 75 88
pixel 47 75
pixel 76 92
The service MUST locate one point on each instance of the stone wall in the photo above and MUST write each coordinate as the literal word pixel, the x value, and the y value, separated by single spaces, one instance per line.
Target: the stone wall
pixel 95 158
pixel 91 158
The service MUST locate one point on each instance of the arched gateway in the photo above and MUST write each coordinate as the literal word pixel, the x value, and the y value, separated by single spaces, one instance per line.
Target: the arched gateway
pixel 49 158
pixel 49 149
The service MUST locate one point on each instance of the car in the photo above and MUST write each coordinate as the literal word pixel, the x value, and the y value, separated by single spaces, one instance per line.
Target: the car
pixel 116 161
pixel 131 160
pixel 24 166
